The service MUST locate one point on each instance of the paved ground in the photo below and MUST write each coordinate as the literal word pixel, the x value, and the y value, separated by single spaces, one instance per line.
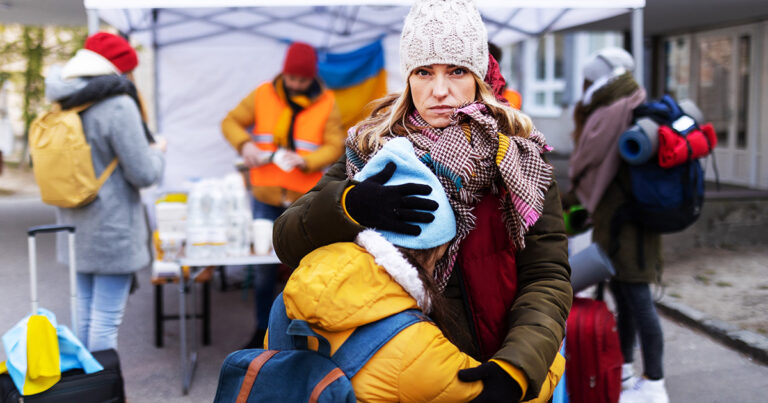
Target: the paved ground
pixel 151 374
pixel 698 368
pixel 715 280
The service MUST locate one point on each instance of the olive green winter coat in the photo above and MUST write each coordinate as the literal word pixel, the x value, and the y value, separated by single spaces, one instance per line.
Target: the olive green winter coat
pixel 544 291
pixel 638 258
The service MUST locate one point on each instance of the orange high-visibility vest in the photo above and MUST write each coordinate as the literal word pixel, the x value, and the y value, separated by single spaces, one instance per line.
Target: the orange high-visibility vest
pixel 308 129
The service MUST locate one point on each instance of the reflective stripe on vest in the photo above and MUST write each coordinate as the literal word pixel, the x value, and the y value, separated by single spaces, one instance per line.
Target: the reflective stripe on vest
pixel 305 145
pixel 308 127
pixel 263 138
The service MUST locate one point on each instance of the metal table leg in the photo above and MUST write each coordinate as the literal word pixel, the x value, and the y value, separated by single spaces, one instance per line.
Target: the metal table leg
pixel 188 358
pixel 159 313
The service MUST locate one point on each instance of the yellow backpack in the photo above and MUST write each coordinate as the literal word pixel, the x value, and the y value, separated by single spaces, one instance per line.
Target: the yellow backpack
pixel 61 158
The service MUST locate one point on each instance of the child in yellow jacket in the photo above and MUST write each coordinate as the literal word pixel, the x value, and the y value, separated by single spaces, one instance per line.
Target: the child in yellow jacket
pixel 342 286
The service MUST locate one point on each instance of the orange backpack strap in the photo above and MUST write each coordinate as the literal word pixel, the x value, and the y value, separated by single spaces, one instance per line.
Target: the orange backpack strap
pixel 107 172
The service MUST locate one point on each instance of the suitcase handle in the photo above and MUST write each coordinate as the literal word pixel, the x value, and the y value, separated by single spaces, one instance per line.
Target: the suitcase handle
pixel 32 231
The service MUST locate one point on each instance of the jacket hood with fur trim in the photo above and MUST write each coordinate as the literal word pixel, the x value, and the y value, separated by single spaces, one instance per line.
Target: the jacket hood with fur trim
pixel 345 285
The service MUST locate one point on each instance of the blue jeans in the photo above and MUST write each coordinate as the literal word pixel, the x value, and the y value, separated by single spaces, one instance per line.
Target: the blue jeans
pixel 265 275
pixel 101 302
pixel 637 315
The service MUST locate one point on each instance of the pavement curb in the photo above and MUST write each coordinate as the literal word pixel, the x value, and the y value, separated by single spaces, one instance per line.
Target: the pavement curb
pixel 750 343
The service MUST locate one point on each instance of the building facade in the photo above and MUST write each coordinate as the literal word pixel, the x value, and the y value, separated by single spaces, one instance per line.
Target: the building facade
pixel 723 69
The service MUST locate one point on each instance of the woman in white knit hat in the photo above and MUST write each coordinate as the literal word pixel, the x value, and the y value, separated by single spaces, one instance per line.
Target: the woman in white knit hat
pixel 505 277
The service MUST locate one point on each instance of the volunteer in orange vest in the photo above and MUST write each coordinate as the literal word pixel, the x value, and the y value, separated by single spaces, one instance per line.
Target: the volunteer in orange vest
pixel 296 133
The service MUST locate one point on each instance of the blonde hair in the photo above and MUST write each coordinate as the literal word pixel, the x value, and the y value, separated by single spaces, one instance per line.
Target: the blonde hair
pixel 390 117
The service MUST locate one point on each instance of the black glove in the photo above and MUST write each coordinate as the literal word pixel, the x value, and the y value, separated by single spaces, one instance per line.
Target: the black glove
pixel 498 386
pixel 390 208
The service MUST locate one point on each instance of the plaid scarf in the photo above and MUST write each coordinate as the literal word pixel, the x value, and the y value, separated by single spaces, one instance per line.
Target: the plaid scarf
pixel 470 157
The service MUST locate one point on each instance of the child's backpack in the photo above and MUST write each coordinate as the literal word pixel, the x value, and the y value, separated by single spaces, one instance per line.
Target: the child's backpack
pixel 290 372
pixel 61 159
pixel 667 191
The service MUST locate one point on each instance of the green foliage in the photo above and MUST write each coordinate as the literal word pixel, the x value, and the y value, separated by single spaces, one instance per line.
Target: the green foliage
pixel 34 84
pixel 25 51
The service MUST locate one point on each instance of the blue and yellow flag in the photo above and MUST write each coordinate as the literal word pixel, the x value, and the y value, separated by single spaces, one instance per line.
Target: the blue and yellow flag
pixel 39 350
pixel 356 78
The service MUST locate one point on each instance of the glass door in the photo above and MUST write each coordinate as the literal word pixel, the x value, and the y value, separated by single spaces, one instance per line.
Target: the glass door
pixel 723 67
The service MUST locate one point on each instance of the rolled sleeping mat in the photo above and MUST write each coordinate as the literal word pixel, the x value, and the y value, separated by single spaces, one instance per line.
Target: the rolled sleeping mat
pixel 590 266
pixel 689 108
pixel 640 142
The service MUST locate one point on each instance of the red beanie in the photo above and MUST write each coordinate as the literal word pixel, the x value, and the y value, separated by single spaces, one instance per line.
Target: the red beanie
pixel 300 60
pixel 115 49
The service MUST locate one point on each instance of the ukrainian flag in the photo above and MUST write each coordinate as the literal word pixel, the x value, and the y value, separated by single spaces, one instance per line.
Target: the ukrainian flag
pixel 356 78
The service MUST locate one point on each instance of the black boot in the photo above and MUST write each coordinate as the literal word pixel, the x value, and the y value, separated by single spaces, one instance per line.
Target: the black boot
pixel 257 340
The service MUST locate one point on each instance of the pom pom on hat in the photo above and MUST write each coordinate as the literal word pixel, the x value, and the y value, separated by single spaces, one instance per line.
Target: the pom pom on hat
pixel 411 170
pixel 115 49
pixel 444 32
pixel 300 60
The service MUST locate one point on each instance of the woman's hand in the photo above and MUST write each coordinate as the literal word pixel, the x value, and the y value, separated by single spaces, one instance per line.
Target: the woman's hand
pixel 390 208
pixel 498 386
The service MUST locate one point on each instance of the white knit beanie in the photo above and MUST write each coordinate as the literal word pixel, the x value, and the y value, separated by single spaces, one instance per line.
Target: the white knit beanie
pixel 603 63
pixel 444 32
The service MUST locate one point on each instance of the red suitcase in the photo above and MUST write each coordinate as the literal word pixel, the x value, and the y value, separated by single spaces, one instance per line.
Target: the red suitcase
pixel 593 353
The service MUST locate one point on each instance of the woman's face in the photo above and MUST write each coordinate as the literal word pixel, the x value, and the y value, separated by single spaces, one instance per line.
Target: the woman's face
pixel 438 89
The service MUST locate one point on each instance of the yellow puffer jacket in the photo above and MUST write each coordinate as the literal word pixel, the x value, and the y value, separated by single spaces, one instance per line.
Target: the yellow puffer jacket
pixel 339 287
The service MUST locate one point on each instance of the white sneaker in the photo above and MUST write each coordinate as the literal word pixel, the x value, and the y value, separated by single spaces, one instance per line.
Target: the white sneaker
pixel 628 377
pixel 646 391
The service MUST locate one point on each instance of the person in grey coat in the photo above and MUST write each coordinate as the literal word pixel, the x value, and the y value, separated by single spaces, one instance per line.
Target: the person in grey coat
pixel 112 236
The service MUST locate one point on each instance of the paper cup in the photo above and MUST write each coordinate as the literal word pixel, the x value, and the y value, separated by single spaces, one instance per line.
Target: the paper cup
pixel 262 236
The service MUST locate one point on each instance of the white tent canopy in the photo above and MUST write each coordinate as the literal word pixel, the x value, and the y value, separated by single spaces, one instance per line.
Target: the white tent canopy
pixel 209 54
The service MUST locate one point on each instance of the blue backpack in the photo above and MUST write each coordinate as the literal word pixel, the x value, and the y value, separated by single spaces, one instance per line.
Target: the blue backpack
pixel 661 200
pixel 290 372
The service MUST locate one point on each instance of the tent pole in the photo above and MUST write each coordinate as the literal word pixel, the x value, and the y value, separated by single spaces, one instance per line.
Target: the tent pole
pixel 93 21
pixel 155 70
pixel 637 44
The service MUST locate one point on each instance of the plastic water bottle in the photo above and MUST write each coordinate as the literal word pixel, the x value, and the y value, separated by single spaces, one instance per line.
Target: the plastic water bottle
pixel 197 234
pixel 235 201
pixel 217 221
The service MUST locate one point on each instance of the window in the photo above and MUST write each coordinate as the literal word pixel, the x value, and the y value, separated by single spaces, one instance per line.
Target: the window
pixel 514 73
pixel 678 67
pixel 715 69
pixel 546 83
pixel 744 60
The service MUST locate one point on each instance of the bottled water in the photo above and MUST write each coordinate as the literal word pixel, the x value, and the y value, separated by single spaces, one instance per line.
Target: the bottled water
pixel 197 234
pixel 217 221
pixel 238 216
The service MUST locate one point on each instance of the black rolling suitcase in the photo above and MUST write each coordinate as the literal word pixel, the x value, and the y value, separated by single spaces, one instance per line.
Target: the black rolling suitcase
pixel 75 385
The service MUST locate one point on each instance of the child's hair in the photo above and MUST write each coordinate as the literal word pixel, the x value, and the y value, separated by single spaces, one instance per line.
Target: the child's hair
pixel 440 313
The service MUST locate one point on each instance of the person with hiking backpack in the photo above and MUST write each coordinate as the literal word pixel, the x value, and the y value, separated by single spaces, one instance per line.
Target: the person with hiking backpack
pixel 365 301
pixel 599 180
pixel 112 239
